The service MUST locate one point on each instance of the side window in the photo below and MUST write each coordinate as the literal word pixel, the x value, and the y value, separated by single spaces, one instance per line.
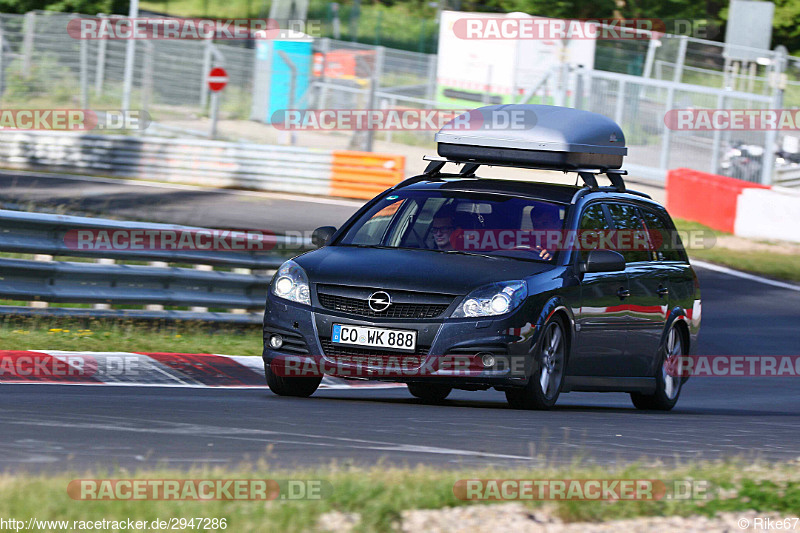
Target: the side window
pixel 631 239
pixel 668 247
pixel 593 220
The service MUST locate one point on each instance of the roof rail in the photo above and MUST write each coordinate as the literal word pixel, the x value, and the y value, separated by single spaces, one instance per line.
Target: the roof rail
pixel 586 190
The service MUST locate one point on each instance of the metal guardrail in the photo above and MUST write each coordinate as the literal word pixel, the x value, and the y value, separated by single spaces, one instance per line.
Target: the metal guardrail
pixel 152 285
pixel 213 163
pixel 202 162
pixel 788 176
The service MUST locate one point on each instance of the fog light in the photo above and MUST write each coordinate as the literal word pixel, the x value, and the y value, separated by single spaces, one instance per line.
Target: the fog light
pixel 275 342
pixel 488 360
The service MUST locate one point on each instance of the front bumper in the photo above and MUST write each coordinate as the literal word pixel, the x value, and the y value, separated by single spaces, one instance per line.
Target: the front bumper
pixel 448 350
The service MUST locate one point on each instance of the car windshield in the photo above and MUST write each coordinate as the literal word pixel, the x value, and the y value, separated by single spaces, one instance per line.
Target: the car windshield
pixel 460 222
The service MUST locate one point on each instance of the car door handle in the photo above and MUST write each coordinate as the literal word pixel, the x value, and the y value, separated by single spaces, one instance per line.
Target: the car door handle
pixel 623 293
pixel 662 291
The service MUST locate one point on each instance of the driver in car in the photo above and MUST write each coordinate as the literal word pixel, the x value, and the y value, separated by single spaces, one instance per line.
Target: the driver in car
pixel 442 229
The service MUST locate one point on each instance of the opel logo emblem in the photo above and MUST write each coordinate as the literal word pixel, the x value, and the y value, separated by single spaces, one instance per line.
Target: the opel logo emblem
pixel 379 301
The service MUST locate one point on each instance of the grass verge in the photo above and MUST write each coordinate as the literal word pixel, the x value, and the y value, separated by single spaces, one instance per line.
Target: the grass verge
pixel 380 494
pixel 127 336
pixel 773 265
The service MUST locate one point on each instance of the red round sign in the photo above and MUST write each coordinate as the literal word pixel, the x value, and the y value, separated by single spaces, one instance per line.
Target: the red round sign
pixel 217 79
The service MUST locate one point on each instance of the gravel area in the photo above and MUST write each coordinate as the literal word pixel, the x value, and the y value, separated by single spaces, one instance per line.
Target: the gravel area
pixel 515 517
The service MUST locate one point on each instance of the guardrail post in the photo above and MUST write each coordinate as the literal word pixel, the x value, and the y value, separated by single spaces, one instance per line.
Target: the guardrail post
pixel 323 90
pixel 377 71
pixel 206 68
pixel 205 268
pixel 241 271
pixel 130 57
pixel 716 144
pixel 292 88
pixel 147 75
pixel 2 68
pixel 677 75
pixel 432 68
pixel 389 104
pixel 27 42
pixel 38 303
pixel 84 74
pixel 619 108
pixel 100 70
pixel 103 261
pixel 577 102
pixel 771 136
pixel 158 264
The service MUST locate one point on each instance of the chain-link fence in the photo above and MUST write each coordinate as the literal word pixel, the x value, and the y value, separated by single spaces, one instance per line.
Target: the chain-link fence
pixel 635 81
pixel 41 65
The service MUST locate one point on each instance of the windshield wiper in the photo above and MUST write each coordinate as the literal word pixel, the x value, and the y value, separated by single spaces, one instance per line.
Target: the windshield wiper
pixel 378 246
pixel 461 252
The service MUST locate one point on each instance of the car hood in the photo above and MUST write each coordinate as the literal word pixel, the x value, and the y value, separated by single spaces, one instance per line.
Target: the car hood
pixel 414 270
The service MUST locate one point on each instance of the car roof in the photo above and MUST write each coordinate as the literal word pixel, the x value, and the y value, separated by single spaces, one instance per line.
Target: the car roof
pixel 545 191
pixel 554 192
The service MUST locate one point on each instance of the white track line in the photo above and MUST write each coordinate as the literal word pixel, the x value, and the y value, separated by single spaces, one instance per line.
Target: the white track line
pixel 745 275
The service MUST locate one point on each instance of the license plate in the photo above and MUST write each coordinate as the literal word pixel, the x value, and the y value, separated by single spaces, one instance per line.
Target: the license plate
pixel 395 339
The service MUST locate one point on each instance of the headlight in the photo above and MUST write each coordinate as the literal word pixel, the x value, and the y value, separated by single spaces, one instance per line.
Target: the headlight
pixel 492 300
pixel 291 283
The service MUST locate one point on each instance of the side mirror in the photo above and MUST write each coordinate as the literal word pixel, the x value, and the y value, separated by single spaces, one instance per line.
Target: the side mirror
pixel 602 261
pixel 321 236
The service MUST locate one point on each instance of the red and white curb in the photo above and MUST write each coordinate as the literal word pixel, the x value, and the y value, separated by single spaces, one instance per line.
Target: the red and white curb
pixel 159 369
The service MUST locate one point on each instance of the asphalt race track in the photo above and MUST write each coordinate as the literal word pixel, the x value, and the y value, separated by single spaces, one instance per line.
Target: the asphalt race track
pixel 170 203
pixel 73 427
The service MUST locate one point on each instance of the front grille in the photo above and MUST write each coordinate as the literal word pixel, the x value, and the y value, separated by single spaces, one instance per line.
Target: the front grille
pixel 357 306
pixel 371 356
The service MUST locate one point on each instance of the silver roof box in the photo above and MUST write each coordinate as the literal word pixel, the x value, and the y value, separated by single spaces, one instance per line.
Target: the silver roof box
pixel 534 136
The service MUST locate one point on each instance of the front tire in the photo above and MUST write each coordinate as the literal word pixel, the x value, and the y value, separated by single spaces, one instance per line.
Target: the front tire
pixel 297 387
pixel 429 392
pixel 544 385
pixel 668 386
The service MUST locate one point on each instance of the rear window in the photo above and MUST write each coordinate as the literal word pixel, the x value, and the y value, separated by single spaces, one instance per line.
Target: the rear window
pixel 626 217
pixel 667 243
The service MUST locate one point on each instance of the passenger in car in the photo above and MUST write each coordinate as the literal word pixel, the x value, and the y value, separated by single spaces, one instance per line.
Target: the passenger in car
pixel 546 218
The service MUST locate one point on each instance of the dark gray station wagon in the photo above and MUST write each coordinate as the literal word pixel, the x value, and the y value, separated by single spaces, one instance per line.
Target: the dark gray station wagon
pixel 455 281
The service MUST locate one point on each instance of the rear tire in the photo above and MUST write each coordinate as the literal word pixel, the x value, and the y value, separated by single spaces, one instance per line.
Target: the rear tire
pixel 668 387
pixel 544 386
pixel 429 392
pixel 298 387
